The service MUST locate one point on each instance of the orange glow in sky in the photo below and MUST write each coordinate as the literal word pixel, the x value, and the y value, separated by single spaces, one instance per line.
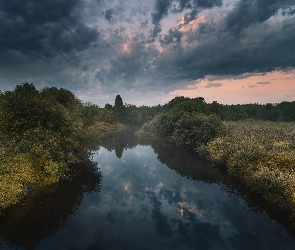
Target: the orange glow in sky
pixel 273 87
pixel 126 48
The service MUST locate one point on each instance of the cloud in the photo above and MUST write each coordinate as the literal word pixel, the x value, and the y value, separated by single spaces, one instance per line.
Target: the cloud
pixel 173 36
pixel 264 47
pixel 212 78
pixel 163 7
pixel 288 11
pixel 44 28
pixel 263 83
pixel 152 47
pixel 201 48
pixel 247 13
pixel 252 86
pixel 161 10
pixel 134 60
pixel 213 85
pixel 108 14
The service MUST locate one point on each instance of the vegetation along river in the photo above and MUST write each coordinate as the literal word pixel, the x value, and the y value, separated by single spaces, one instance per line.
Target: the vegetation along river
pixel 137 194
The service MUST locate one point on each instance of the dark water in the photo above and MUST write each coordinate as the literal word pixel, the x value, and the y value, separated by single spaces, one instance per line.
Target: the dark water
pixel 144 196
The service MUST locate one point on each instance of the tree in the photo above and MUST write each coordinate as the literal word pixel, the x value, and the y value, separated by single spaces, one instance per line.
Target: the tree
pixel 120 109
pixel 118 102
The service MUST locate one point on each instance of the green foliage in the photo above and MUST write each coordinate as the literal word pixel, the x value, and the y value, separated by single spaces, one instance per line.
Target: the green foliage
pixel 138 115
pixel 41 134
pixel 284 111
pixel 90 112
pixel 107 114
pixel 181 124
pixel 262 156
pixel 127 114
pixel 118 101
pixel 26 109
pixel 189 105
pixel 192 130
pixel 287 111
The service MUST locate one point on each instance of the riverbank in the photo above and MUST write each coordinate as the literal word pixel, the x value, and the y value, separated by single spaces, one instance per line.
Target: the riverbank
pixel 22 172
pixel 42 134
pixel 261 155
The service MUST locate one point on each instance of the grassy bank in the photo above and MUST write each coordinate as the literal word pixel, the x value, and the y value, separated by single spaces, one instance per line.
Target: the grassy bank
pixel 42 133
pixel 22 171
pixel 261 155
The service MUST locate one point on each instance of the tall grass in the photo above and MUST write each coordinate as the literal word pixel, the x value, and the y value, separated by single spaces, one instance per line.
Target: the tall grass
pixel 260 154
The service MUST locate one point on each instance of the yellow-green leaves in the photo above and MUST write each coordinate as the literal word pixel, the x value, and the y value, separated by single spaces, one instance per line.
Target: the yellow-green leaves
pixel 41 134
pixel 262 155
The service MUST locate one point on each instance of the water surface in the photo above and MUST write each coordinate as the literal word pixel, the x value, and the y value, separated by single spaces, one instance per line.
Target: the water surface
pixel 143 198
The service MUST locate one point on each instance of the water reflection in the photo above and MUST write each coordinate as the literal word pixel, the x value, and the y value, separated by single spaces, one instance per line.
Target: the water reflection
pixel 122 140
pixel 145 205
pixel 151 197
pixel 45 212
pixel 193 167
pixel 183 162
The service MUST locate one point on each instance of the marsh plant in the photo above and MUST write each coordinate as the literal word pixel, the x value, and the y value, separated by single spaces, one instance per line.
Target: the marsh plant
pixel 261 154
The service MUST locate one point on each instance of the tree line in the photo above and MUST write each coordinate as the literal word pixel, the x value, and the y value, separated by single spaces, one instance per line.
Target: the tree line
pixel 43 132
pixel 284 111
pixel 133 115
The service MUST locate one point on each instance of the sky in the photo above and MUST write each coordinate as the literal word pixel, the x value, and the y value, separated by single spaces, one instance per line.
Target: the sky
pixel 229 51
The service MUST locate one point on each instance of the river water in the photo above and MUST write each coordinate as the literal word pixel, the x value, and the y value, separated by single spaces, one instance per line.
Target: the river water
pixel 141 195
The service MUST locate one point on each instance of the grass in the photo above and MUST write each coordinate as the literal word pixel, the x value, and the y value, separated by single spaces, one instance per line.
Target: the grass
pixel 260 154
pixel 21 172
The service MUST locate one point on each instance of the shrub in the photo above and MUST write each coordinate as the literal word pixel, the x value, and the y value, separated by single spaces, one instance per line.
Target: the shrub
pixel 41 134
pixel 188 130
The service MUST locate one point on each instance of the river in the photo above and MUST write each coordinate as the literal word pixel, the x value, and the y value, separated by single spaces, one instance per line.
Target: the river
pixel 137 194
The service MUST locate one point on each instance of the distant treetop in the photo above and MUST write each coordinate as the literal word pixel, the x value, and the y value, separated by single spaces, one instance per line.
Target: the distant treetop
pixel 118 101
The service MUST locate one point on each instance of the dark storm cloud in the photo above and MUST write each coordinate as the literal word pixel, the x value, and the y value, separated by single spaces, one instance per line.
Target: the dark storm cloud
pixel 184 4
pixel 207 3
pixel 288 11
pixel 109 46
pixel 162 8
pixel 43 28
pixel 108 14
pixel 190 16
pixel 174 35
pixel 212 48
pixel 130 67
pixel 180 5
pixel 249 12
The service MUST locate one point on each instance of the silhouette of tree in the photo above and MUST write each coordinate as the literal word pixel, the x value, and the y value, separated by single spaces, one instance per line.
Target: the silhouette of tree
pixel 118 102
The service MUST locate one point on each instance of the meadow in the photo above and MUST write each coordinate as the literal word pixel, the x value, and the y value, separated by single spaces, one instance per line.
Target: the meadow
pixel 260 154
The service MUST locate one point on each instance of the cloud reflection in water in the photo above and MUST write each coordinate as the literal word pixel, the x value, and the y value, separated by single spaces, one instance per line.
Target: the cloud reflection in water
pixel 143 204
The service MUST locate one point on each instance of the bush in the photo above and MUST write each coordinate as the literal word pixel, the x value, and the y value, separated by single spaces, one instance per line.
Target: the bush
pixel 187 130
pixel 41 134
